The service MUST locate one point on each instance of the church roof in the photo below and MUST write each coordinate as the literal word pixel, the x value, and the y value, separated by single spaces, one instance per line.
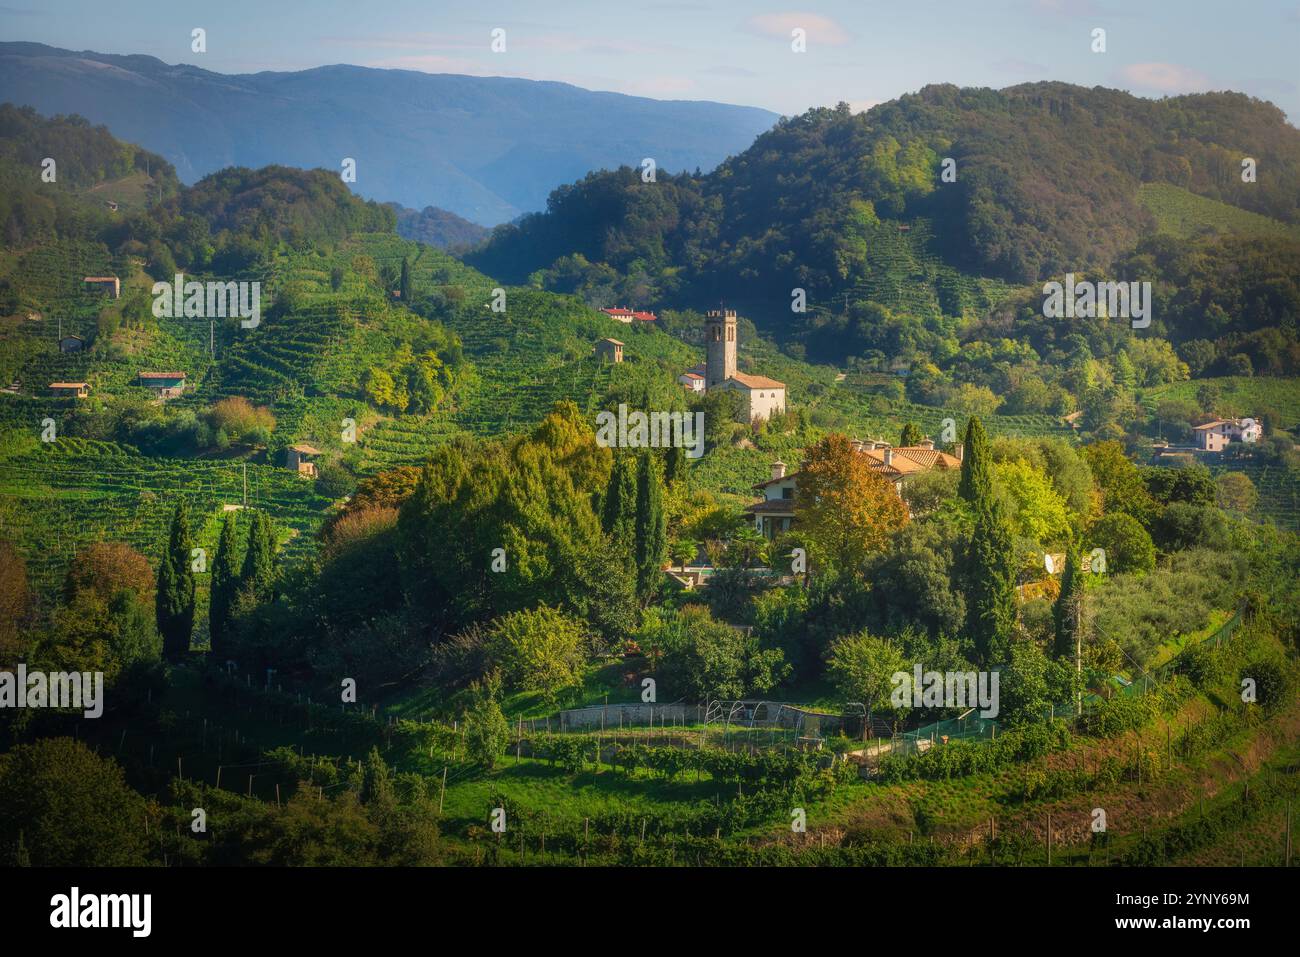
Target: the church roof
pixel 757 381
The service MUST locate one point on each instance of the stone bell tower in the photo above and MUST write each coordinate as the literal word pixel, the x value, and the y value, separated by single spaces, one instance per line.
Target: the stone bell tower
pixel 720 346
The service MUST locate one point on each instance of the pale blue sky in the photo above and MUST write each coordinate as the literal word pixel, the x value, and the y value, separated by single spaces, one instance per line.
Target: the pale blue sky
pixel 862 51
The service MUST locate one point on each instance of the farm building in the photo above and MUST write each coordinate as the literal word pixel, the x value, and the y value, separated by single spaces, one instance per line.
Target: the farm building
pixel 168 385
pixel 72 344
pixel 610 349
pixel 298 458
pixel 109 284
pixel 72 390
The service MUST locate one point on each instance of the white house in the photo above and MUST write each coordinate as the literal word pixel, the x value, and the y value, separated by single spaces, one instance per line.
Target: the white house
pixel 1215 436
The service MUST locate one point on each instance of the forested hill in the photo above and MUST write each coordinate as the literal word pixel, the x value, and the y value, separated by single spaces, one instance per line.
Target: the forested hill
pixel 1049 178
pixel 437 227
pixel 57 171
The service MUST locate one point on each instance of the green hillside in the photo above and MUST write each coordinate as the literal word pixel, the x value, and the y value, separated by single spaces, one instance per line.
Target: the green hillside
pixel 1184 214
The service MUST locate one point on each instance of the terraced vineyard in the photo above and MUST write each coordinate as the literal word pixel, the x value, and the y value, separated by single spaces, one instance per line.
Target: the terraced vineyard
pixel 56 498
pixel 1243 395
pixel 1185 214
pixel 1279 492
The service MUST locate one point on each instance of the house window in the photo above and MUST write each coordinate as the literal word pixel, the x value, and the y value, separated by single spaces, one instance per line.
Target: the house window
pixel 787 492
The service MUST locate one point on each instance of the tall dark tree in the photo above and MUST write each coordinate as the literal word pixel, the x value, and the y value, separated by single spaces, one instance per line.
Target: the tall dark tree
pixel 618 510
pixel 651 526
pixel 175 596
pixel 404 283
pixel 1065 612
pixel 674 464
pixel 258 573
pixel 224 588
pixel 991 583
pixel 976 483
pixel 911 435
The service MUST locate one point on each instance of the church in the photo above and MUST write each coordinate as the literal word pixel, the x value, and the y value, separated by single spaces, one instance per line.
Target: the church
pixel 762 397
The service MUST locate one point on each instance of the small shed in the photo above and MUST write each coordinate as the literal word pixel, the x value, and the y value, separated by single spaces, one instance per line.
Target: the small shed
pixel 108 284
pixel 610 349
pixel 71 390
pixel 168 385
pixel 72 344
pixel 298 458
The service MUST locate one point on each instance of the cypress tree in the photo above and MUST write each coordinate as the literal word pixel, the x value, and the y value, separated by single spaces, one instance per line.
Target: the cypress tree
pixel 1064 611
pixel 404 284
pixel 674 464
pixel 175 596
pixel 618 511
pixel 991 582
pixel 258 574
pixel 651 526
pixel 225 585
pixel 976 483
pixel 910 436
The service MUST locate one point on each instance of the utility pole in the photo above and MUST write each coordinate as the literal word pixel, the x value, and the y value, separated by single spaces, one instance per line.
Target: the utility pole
pixel 245 485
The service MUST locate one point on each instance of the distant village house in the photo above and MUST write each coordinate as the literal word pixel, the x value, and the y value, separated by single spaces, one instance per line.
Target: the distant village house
pixel 626 315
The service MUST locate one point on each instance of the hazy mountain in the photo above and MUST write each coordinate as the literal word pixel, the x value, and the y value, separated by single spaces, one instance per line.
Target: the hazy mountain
pixel 485 148
pixel 437 227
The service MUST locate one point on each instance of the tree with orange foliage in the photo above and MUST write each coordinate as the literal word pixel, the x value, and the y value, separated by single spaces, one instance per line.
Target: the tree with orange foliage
pixel 105 568
pixel 13 601
pixel 844 510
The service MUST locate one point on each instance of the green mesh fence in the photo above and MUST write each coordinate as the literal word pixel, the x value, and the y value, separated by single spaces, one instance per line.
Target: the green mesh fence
pixel 971 727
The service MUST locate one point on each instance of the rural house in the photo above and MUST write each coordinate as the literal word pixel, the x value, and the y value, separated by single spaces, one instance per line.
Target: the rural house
pixel 626 315
pixel 1215 436
pixel 775 512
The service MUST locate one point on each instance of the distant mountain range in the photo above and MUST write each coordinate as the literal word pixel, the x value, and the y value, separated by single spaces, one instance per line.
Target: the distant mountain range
pixel 485 148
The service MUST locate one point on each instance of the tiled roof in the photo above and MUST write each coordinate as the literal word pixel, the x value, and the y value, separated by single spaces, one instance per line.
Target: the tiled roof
pixel 757 381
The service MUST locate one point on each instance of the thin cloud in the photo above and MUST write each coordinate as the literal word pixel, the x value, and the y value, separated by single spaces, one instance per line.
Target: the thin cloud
pixel 1019 67
pixel 1164 77
pixel 821 29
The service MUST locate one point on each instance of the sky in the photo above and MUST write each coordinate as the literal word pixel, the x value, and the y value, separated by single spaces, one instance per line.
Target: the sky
pixel 734 51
